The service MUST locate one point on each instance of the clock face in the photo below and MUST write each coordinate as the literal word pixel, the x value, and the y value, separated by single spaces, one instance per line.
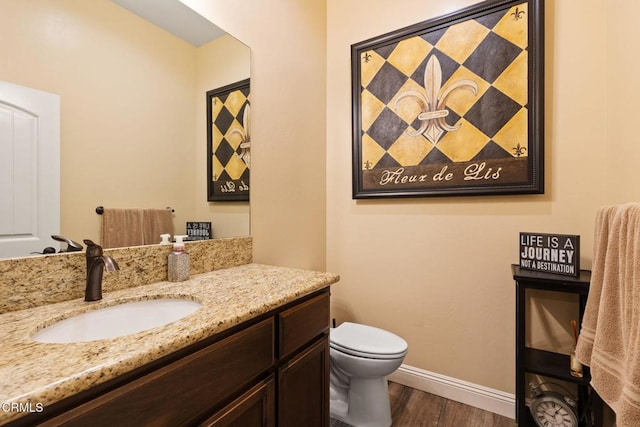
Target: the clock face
pixel 552 413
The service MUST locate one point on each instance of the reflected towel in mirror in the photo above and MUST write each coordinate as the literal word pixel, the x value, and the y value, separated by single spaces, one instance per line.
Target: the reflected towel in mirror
pixel 135 227
pixel 156 222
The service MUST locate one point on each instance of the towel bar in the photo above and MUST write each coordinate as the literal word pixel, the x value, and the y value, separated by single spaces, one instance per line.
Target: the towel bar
pixel 100 209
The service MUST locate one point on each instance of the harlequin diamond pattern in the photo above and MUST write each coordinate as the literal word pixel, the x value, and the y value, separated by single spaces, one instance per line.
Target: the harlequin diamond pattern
pixel 490 51
pixel 227 113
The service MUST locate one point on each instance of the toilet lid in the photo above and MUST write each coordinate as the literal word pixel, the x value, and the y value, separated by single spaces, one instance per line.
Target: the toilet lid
pixel 367 341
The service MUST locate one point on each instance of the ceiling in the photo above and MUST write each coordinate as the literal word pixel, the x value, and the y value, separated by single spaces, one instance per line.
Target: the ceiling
pixel 176 18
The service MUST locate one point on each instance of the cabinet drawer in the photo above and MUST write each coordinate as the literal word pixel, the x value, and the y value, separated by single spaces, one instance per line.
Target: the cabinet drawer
pixel 183 391
pixel 302 323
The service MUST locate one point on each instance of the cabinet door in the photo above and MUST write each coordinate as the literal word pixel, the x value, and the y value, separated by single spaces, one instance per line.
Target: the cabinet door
pixel 303 389
pixel 255 408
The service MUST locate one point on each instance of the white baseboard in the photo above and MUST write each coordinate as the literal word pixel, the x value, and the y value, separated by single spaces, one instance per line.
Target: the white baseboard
pixel 475 395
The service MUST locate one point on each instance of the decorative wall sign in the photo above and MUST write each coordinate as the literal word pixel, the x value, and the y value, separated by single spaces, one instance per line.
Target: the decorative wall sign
pixel 452 106
pixel 228 142
pixel 550 253
pixel 199 230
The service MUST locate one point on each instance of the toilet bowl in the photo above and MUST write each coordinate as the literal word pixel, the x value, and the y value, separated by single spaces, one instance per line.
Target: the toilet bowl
pixel 361 357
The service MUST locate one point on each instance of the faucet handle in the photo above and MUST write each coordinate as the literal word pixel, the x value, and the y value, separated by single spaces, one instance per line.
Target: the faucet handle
pixel 93 249
pixel 71 245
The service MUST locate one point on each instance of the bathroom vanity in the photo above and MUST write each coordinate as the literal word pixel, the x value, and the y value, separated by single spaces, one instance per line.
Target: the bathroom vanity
pixel 255 354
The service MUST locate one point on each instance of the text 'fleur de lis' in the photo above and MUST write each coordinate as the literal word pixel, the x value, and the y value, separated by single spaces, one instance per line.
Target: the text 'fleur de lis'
pixel 433 101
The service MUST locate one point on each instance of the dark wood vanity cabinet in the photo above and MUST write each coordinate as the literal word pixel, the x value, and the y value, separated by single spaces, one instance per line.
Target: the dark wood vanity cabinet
pixel 303 383
pixel 271 371
pixel 303 376
pixel 254 408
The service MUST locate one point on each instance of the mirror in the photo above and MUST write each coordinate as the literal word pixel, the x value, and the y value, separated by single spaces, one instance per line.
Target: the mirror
pixel 133 106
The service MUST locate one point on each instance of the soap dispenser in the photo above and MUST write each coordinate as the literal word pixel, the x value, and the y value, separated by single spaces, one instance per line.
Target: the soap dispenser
pixel 178 262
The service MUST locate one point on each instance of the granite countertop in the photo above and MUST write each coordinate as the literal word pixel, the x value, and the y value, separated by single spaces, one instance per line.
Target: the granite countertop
pixel 42 374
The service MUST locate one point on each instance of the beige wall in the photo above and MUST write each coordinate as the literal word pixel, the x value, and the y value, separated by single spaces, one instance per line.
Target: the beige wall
pixel 623 92
pixel 127 110
pixel 436 271
pixel 221 62
pixel 288 125
pixel 133 130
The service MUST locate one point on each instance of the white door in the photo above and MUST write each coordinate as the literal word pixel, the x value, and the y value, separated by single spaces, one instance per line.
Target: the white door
pixel 29 169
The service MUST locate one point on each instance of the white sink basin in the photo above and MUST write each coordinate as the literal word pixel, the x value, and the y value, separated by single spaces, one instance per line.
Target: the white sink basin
pixel 116 321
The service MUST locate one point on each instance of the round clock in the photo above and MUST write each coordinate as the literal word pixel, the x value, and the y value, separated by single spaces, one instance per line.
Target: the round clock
pixel 552 409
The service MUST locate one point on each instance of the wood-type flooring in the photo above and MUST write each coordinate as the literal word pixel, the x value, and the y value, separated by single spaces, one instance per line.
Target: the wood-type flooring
pixel 415 408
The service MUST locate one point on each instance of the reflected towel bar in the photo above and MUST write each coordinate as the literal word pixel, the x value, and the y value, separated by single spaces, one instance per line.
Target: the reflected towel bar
pixel 100 209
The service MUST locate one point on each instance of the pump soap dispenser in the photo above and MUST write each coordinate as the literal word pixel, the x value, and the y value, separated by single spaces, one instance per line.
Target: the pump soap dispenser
pixel 178 262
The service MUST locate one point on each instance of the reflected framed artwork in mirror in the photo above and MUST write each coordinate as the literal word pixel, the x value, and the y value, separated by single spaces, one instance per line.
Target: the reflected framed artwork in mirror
pixel 228 142
pixel 452 106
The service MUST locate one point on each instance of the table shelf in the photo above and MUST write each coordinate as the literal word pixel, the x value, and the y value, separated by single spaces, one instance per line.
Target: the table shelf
pixel 547 363
pixel 553 365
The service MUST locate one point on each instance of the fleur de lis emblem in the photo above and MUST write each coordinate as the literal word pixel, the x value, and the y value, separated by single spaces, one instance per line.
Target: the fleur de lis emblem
pixel 366 57
pixel 433 101
pixel 245 141
pixel 519 150
pixel 517 14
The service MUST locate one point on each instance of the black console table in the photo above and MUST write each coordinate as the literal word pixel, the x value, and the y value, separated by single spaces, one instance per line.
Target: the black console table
pixel 546 363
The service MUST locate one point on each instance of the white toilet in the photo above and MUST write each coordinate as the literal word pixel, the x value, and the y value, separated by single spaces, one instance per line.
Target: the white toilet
pixel 361 357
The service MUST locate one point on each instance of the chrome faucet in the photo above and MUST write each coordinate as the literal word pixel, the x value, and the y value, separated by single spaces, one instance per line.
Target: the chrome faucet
pixel 97 262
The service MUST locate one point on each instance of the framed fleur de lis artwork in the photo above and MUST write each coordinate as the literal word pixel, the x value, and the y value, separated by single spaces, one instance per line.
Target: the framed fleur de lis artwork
pixel 452 106
pixel 228 142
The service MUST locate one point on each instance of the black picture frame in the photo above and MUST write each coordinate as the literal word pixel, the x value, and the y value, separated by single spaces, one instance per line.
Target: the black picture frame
pixel 483 134
pixel 228 142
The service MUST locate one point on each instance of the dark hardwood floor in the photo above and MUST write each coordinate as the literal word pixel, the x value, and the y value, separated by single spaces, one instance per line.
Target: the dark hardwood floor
pixel 415 408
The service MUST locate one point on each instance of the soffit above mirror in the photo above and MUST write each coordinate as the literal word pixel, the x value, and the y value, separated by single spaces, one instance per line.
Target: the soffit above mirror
pixel 176 18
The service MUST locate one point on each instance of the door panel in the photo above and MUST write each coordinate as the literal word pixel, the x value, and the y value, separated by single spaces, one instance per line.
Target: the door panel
pixel 29 169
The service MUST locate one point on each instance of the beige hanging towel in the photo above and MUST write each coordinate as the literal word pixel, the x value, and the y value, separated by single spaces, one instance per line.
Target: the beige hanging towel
pixel 122 227
pixel 156 222
pixel 609 340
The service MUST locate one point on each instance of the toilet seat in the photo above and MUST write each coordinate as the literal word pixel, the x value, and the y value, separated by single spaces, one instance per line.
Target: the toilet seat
pixel 366 341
